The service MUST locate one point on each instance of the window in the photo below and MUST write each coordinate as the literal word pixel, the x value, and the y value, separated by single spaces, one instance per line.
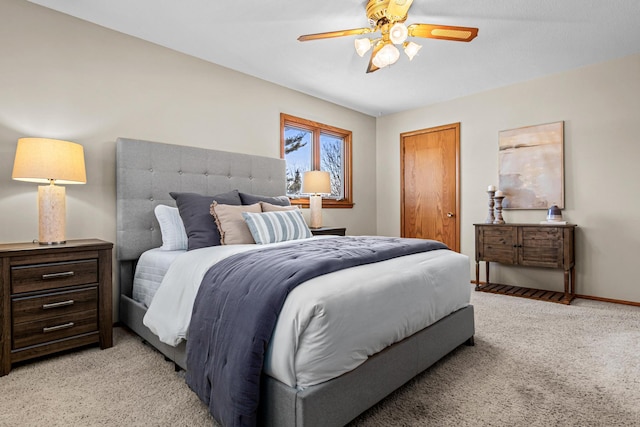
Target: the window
pixel 307 145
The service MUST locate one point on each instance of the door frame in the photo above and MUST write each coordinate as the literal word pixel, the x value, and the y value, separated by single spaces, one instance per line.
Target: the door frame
pixel 456 128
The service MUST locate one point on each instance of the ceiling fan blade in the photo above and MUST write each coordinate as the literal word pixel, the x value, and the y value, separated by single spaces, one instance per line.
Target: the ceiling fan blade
pixel 443 32
pixel 371 68
pixel 397 9
pixel 331 34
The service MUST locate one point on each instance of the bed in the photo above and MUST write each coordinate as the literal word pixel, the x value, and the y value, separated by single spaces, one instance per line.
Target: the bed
pixel 146 172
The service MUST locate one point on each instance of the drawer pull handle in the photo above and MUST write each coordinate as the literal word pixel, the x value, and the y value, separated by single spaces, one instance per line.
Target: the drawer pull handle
pixel 57 275
pixel 58 327
pixel 58 304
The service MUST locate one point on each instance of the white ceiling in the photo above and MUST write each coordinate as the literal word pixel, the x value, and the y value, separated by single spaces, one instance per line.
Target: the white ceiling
pixel 518 40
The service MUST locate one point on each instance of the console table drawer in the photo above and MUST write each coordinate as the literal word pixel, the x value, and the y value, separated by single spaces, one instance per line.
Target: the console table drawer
pixel 33 308
pixel 54 328
pixel 497 244
pixel 30 278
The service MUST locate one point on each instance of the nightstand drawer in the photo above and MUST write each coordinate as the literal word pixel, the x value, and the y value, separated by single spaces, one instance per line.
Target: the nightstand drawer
pixel 55 328
pixel 29 278
pixel 30 309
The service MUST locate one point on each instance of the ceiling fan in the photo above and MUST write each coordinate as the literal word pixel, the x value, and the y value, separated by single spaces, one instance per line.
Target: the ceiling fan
pixel 388 17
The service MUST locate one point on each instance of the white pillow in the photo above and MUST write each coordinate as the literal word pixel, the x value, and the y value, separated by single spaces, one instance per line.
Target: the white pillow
pixel 174 236
pixel 273 227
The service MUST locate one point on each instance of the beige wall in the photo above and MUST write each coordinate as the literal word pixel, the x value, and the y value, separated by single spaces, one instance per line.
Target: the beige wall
pixel 64 78
pixel 61 77
pixel 600 106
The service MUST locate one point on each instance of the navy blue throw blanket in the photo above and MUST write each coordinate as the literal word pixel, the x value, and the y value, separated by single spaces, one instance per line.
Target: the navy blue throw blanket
pixel 238 304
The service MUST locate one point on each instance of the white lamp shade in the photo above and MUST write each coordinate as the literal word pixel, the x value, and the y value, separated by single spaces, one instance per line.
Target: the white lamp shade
pixel 398 33
pixel 362 46
pixel 411 49
pixel 316 182
pixel 43 160
pixel 388 55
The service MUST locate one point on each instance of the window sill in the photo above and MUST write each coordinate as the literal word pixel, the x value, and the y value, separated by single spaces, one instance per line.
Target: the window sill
pixel 326 203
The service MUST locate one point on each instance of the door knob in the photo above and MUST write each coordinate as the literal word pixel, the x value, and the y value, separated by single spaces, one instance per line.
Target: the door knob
pixel 450 215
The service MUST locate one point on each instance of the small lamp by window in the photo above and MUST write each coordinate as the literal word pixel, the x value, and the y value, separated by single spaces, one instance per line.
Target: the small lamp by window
pixel 316 183
pixel 50 161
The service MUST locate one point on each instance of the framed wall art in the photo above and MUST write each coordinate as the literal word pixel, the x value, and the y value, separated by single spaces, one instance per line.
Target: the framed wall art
pixel 531 166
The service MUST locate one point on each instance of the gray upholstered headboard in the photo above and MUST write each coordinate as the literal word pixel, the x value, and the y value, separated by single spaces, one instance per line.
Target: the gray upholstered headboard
pixel 147 171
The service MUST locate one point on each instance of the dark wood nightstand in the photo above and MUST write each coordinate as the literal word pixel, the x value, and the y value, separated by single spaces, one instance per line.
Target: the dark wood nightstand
pixel 53 298
pixel 335 231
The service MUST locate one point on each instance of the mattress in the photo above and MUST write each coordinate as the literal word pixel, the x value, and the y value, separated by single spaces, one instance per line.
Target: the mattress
pixel 150 270
pixel 331 324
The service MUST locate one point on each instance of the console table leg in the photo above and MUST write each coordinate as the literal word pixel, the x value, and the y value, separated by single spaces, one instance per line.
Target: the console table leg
pixel 477 275
pixel 486 264
pixel 573 280
pixel 567 295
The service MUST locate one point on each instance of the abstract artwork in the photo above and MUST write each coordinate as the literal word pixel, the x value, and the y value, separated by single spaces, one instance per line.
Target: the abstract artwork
pixel 531 166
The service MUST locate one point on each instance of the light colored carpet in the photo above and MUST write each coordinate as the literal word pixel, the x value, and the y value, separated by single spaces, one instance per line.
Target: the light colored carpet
pixel 534 364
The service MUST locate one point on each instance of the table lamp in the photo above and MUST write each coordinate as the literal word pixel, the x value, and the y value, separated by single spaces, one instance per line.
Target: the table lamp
pixel 316 183
pixel 50 161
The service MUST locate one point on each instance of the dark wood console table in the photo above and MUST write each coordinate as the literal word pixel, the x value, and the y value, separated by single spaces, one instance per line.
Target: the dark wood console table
pixel 532 245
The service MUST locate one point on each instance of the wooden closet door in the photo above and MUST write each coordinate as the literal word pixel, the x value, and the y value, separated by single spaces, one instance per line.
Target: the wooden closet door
pixel 430 200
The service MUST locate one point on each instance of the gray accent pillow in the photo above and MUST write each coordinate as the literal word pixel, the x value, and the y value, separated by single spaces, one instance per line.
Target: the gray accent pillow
pixel 252 199
pixel 200 226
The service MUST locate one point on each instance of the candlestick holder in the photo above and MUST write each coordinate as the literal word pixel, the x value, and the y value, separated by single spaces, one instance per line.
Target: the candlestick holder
pixel 490 217
pixel 498 215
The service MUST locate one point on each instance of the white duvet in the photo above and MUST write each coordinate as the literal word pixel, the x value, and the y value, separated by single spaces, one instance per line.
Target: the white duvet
pixel 331 324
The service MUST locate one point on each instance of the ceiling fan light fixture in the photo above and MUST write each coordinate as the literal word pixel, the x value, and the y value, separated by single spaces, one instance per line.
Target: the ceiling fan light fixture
pixel 411 49
pixel 362 46
pixel 388 55
pixel 398 33
pixel 388 17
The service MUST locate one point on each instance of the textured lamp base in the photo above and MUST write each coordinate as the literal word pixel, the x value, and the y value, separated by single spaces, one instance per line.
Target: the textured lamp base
pixel 51 214
pixel 315 203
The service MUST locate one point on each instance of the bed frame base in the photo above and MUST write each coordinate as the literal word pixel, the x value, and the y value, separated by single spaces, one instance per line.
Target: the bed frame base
pixel 340 400
pixel 131 314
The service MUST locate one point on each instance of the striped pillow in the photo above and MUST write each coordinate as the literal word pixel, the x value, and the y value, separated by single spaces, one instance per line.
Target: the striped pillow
pixel 273 227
